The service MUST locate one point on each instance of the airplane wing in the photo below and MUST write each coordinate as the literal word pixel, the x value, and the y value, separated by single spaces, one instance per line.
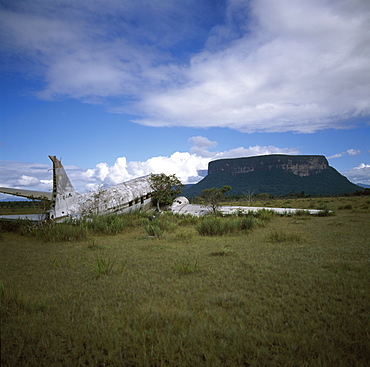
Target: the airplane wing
pixel 30 194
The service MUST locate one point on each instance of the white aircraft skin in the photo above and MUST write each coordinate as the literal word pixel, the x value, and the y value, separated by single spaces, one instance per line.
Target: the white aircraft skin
pixel 181 205
pixel 67 203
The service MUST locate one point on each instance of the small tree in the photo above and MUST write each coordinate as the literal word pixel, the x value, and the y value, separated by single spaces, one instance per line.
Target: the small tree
pixel 250 196
pixel 213 197
pixel 165 188
pixel 41 206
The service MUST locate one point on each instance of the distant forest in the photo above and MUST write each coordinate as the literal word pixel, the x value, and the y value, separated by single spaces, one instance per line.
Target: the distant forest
pixel 21 204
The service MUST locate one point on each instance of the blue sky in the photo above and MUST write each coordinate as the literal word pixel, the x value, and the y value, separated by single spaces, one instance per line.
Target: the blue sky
pixel 122 88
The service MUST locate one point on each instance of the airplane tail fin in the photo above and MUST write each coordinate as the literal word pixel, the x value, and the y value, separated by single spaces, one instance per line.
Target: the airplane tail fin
pixel 64 194
pixel 61 182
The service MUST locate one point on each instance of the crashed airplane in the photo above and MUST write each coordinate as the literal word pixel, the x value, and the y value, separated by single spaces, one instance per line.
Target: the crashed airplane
pixel 65 202
pixel 131 195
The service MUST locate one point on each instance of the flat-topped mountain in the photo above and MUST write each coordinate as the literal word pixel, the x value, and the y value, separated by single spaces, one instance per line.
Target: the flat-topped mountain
pixel 301 165
pixel 275 174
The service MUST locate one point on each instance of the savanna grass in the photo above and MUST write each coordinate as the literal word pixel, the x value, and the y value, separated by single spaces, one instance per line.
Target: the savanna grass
pixel 180 302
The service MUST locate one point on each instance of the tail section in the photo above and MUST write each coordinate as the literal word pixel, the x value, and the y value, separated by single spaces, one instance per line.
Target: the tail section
pixel 64 195
pixel 61 182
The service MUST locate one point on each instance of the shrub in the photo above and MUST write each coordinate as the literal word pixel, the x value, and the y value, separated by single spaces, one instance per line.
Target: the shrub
pixel 108 224
pixel 218 226
pixel 20 226
pixel 264 214
pixel 281 236
pixel 347 206
pixel 154 230
pixel 302 212
pixel 324 211
pixel 60 232
pixel 247 223
pixel 186 266
pixel 105 266
pixel 214 226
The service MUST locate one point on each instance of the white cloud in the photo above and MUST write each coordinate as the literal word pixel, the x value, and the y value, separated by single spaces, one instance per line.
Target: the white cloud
pixel 338 155
pixel 253 151
pixel 351 152
pixel 262 65
pixel 360 174
pixel 28 181
pixel 304 67
pixel 201 145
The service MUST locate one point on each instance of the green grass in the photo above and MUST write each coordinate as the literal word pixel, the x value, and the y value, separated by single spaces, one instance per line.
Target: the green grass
pixel 294 292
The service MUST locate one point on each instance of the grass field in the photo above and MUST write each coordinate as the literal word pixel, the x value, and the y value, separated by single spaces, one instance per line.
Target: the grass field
pixel 292 291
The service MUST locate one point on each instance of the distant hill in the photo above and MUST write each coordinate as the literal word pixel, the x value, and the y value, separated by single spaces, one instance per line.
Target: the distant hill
pixel 276 175
pixel 363 185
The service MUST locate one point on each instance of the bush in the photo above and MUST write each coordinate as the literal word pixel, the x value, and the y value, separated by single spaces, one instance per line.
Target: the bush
pixel 212 226
pixel 20 226
pixel 186 266
pixel 107 224
pixel 106 266
pixel 281 236
pixel 154 230
pixel 218 226
pixel 324 211
pixel 60 232
pixel 264 214
pixel 247 223
pixel 302 213
pixel 347 206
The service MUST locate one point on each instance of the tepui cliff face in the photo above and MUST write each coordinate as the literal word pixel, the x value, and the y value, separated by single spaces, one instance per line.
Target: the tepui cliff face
pixel 303 165
pixel 276 174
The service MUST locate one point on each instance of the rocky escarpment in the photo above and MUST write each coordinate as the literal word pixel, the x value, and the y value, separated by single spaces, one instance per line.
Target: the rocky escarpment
pixel 302 165
pixel 274 174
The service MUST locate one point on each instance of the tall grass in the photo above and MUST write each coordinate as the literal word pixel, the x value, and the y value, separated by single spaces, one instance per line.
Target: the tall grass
pixel 217 226
pixel 20 226
pixel 56 232
pixel 105 266
pixel 76 229
pixel 280 236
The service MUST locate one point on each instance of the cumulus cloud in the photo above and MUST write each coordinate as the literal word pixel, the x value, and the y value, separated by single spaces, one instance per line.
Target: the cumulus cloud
pixel 32 176
pixel 257 65
pixel 359 174
pixel 16 174
pixel 186 165
pixel 28 181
